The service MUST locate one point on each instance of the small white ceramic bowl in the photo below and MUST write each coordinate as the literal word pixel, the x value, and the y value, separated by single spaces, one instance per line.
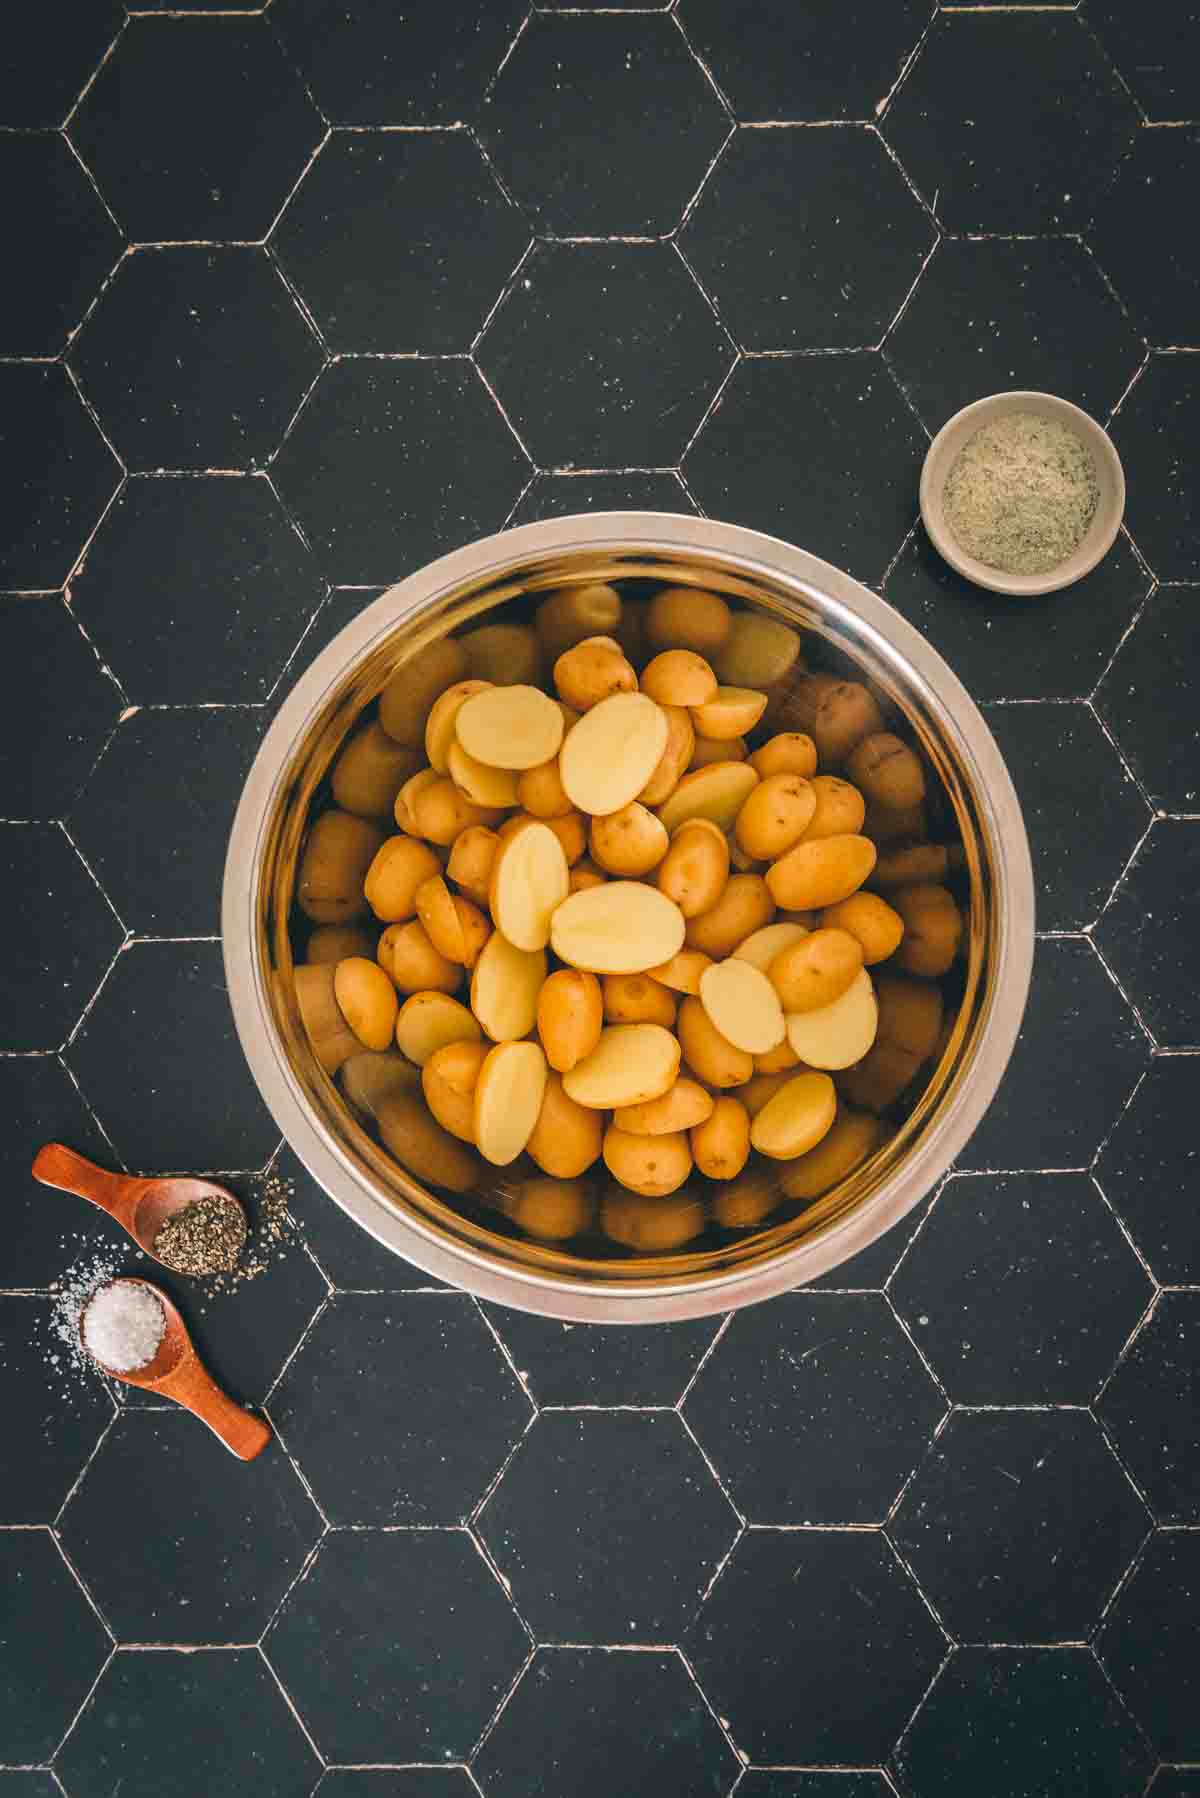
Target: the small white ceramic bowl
pixel 1098 539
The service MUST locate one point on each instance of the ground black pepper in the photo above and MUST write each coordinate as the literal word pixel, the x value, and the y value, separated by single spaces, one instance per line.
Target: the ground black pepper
pixel 206 1237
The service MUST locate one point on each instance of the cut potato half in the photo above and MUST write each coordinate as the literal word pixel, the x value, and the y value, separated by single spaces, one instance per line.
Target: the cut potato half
pixel 428 1021
pixel 493 787
pixel 743 1005
pixel 796 1119
pixel 762 946
pixel 631 1064
pixel 505 988
pixel 731 712
pixel 439 726
pixel 510 727
pixel 508 1098
pixel 612 752
pixel 684 1105
pixel 718 792
pixel 530 880
pixel 621 927
pixel 837 1035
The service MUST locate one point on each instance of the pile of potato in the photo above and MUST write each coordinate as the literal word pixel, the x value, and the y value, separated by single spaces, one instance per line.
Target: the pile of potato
pixel 605 928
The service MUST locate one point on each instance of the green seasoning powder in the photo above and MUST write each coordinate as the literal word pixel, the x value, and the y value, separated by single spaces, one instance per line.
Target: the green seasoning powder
pixel 1021 493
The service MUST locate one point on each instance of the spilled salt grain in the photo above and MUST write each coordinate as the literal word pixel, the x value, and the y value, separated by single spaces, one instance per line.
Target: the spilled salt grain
pixel 123 1326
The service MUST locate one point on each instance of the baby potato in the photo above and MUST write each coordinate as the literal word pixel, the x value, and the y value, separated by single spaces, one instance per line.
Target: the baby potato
pixel 423 1147
pixel 571 832
pixel 933 928
pixel 814 875
pixel 439 726
pixel 427 1022
pixel 918 863
pixel 441 812
pixel 846 714
pixel 877 1081
pixel 411 962
pixel 744 906
pixel 746 1204
pixel 777 1060
pixel 456 928
pixel 333 942
pixel 370 772
pixel 448 1081
pixel 805 699
pixel 508 1097
pixel 585 873
pixel 591 671
pixel 883 825
pixel 551 1210
pixel 758 652
pixel 503 654
pixel 871 920
pixel 402 811
pixel 731 712
pixel 622 927
pixel 743 1005
pixel 776 814
pixel 636 999
pixel 910 1014
pixel 695 869
pixel 796 1119
pixel 836 1035
pixel 706 750
pixel 570 1017
pixel 711 1056
pixel 405 702
pixel 612 752
pixel 651 1165
pixel 640 1223
pixel 371 1076
pixel 720 1143
pixel 514 727
pixel 339 850
pixel 886 771
pixel 762 946
pixel 760 1089
pixel 472 857
pixel 630 842
pixel 541 793
pixel 717 793
pixel 630 1064
pixel 682 973
pixel 401 866
pixel 570 614
pixel 679 677
pixel 491 787
pixel 791 752
pixel 688 618
pixel 839 810
pixel 366 999
pixel 332 1039
pixel 685 1104
pixel 567 1138
pixel 816 970
pixel 851 1137
pixel 505 988
pixel 529 883
pixel 630 631
pixel 673 762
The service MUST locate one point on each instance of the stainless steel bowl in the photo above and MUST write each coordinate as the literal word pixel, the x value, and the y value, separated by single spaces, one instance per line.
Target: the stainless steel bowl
pixel 463 1245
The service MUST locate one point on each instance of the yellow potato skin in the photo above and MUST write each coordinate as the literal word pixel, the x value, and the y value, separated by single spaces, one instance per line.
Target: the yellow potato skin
pixel 695 869
pixel 852 1136
pixel 637 999
pixel 875 924
pixel 711 1056
pixel 789 752
pixel 721 1143
pixel 339 850
pixel 775 816
pixel 933 929
pixel 744 907
pixel 651 1165
pixel 567 1137
pixel 570 1017
pixel 816 970
pixel 814 875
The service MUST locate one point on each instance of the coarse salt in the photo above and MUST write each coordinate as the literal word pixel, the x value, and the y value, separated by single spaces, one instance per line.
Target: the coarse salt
pixel 123 1326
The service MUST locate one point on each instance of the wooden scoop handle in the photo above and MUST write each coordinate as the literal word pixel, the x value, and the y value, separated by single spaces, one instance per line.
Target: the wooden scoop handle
pixel 118 1194
pixel 191 1385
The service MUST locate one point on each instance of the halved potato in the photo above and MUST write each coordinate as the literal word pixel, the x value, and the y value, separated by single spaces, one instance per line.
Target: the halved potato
pixel 682 973
pixel 695 869
pixel 711 1056
pixel 472 856
pixel 683 1105
pixel 743 1005
pixel 717 792
pixel 567 1137
pixel 410 961
pixel 721 1142
pixel 731 712
pixel 510 727
pixel 505 988
pixel 673 762
pixel 621 927
pixel 653 1165
pixel 688 618
pixel 402 811
pixel 439 726
pixel 762 946
pixel 837 1035
pixel 423 1147
pixel 529 882
pixel 758 652
pixel 760 1089
pixel 428 1021
pixel 448 1082
pixel 405 701
pixel 679 677
pixel 612 752
pixel 503 653
pixel 796 1119
pixel 850 1139
pixel 508 1097
pixel 630 842
pixel 570 1017
pixel 456 928
pixel 495 788
pixel 366 999
pixel 636 999
pixel 630 1064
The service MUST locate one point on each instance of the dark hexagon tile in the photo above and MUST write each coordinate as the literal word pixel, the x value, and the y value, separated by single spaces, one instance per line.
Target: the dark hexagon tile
pixel 592 1491
pixel 605 355
pixel 59 475
pixel 994 314
pixel 1032 1720
pixel 370 65
pixel 789 1391
pixel 558 495
pixel 1021 1289
pixel 1151 933
pixel 197 590
pixel 835 1607
pixel 47 62
pixel 807 239
pixel 1157 432
pixel 196 128
pixel 209 1554
pixel 1002 648
pixel 1176 1782
pixel 390 463
pixel 399 240
pixel 1064 768
pixel 67 938
pixel 1010 121
pixel 1019 1525
pixel 60 237
pixel 57 705
pixel 585 1364
pixel 28 1784
pixel 191 1724
pixel 51 1645
pixel 1076 1021
pixel 445 1409
pixel 548 123
pixel 827 60
pixel 396 1645
pixel 582 1720
pixel 44 1230
pixel 1144 697
pixel 53 1420
pixel 1148 1644
pixel 1155 269
pixel 196 358
pixel 763 1782
pixel 400 1782
pixel 136 1058
pixel 154 818
pixel 1148 1169
pixel 753 463
pixel 871 1269
pixel 1157 50
pixel 1151 1408
pixel 349 1255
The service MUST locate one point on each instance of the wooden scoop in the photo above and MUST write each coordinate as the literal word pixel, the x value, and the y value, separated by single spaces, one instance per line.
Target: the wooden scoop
pixel 141 1207
pixel 177 1372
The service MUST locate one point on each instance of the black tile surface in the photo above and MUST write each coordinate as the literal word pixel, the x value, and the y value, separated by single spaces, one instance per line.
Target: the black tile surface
pixel 1021 1290
pixel 836 1603
pixel 350 1258
pixel 557 495
pixel 1148 1170
pixel 1151 933
pixel 631 1490
pixel 871 1269
pixel 69 939
pixel 58 234
pixel 548 124
pixel 758 1783
pixel 53 1421
pixel 1151 1408
pixel 51 1645
pixel 445 1408
pixel 29 1784
pixel 1148 1644
pixel 196 128
pixel 1030 1720
pixel 605 355
pixel 412 1782
pixel 578 1364
pixel 195 358
pixel 1157 51
pixel 807 239
pixel 581 1719
pixel 59 475
pixel 1141 698
pixel 1157 432
pixel 399 241
pixel 43 1104
pixel 1176 1782
pixel 1010 121
pixel 192 1724
pixel 790 1388
pixel 57 706
pixel 1156 271
pixel 44 67
pixel 384 1613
